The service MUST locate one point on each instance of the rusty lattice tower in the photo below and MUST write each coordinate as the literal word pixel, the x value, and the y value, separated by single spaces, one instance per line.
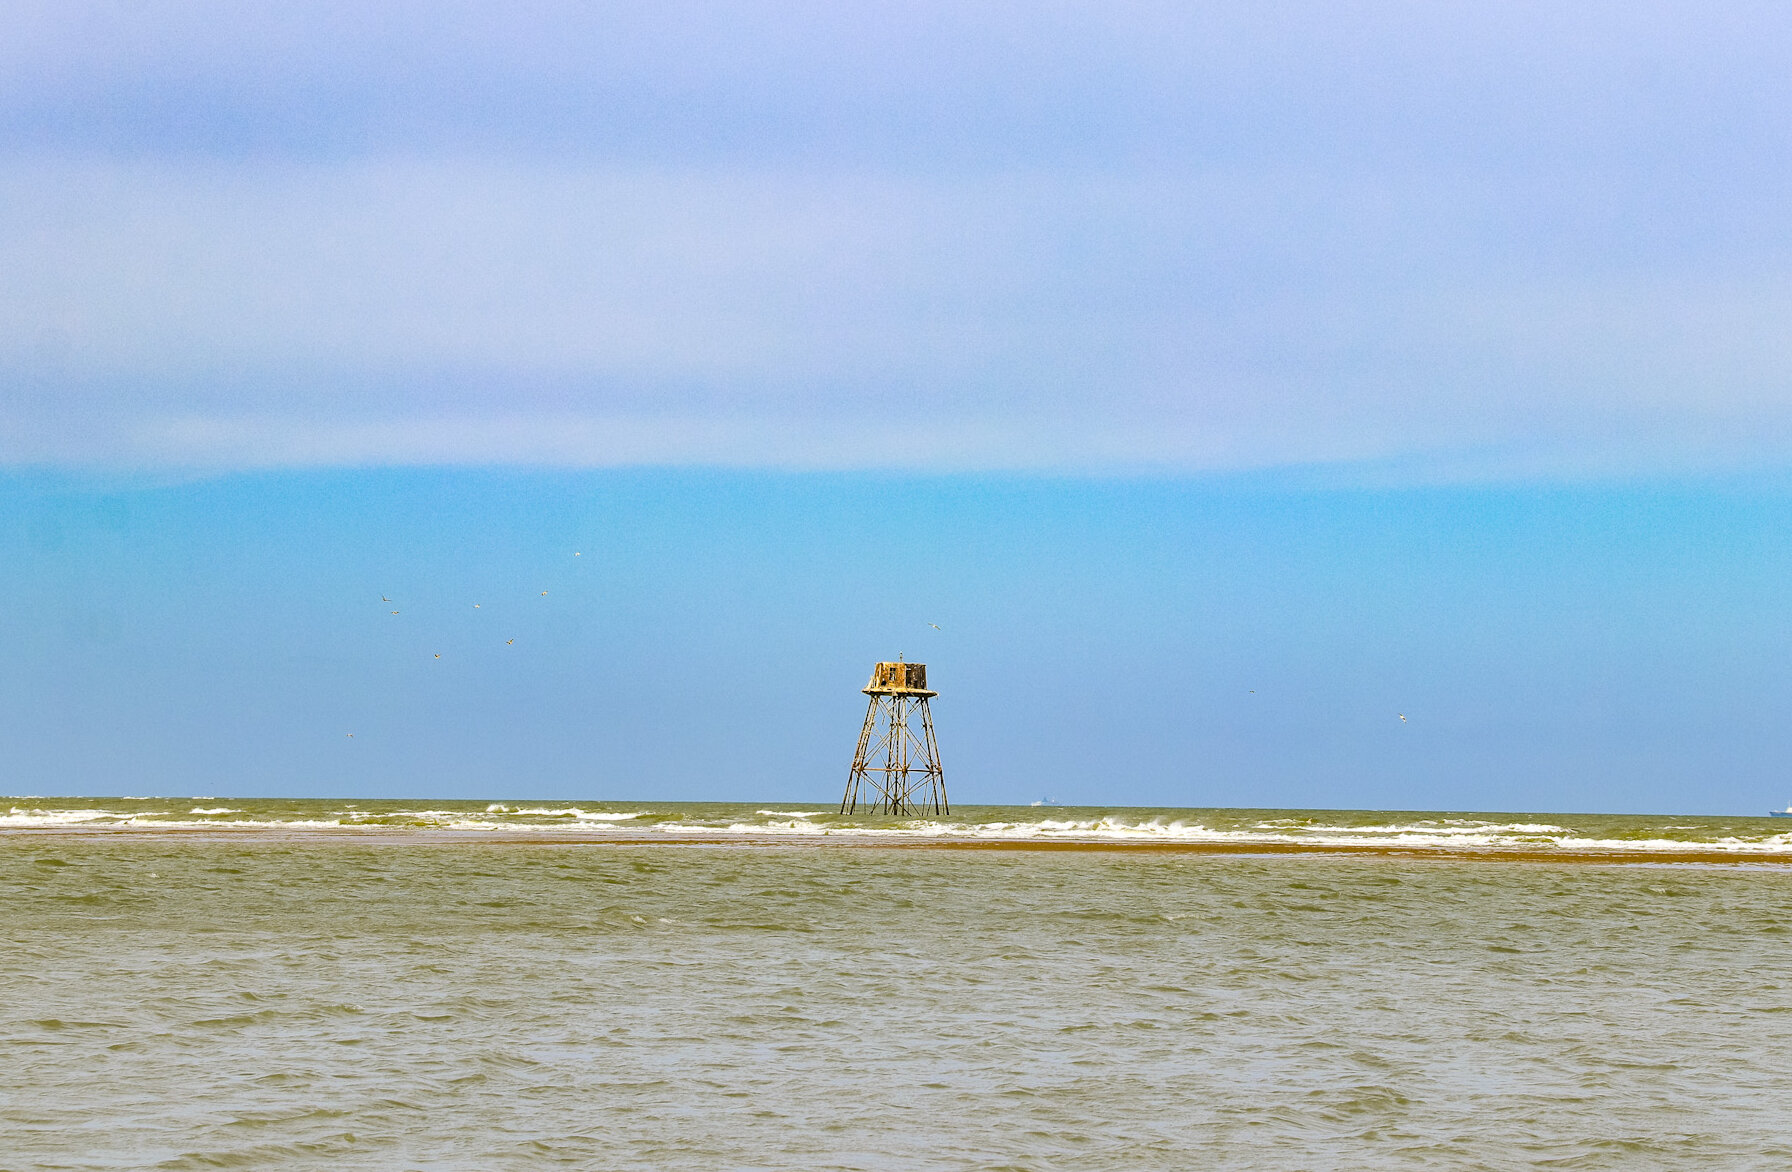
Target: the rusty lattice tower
pixel 897 769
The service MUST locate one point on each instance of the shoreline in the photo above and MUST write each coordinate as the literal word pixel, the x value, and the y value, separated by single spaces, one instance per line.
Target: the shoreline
pixel 850 841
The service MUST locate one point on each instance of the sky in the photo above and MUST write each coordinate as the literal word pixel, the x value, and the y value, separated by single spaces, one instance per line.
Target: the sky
pixel 1263 370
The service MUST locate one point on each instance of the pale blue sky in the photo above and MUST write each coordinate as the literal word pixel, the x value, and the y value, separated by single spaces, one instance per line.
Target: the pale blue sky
pixel 1219 641
pixel 1407 356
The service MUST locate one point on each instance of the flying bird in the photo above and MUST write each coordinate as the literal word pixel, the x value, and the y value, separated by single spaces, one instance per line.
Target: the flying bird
pixel 351 736
pixel 383 598
pixel 508 642
pixel 438 655
pixel 544 593
pixel 1402 717
pixel 575 553
pixel 394 612
pixel 475 606
pixel 936 627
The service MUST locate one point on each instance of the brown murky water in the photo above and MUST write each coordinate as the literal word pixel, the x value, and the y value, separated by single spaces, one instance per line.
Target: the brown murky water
pixel 204 1003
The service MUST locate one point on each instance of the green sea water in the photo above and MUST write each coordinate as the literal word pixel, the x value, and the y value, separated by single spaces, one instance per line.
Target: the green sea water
pixel 190 1001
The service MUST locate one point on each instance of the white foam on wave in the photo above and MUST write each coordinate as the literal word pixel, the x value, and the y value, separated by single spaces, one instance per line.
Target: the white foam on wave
pixel 269 823
pixel 450 818
pixel 158 819
pixel 1444 834
pixel 1446 828
pixel 1487 835
pixel 1101 828
pixel 1773 844
pixel 576 812
pixel 20 816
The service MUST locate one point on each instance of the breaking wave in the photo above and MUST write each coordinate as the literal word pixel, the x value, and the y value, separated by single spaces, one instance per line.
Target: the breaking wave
pixel 1617 835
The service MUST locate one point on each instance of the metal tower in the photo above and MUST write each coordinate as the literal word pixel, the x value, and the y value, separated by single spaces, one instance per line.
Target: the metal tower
pixel 908 780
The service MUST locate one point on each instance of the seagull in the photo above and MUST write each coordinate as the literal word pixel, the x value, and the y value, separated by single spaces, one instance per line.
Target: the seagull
pixel 508 642
pixel 475 606
pixel 1254 692
pixel 936 627
pixel 575 553
pixel 438 655
pixel 544 593
pixel 1402 717
pixel 394 612
pixel 383 598
pixel 351 736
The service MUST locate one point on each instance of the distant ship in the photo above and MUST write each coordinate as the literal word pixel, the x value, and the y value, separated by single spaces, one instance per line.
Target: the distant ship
pixel 1786 813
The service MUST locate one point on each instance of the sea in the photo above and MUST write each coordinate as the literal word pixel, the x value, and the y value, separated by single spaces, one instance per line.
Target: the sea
pixel 201 983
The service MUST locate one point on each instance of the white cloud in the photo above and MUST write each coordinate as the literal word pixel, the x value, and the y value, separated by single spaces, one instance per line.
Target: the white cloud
pixel 1469 303
pixel 464 311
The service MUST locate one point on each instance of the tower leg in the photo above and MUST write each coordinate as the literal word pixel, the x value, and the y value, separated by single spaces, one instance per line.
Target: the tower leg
pixel 850 801
pixel 936 776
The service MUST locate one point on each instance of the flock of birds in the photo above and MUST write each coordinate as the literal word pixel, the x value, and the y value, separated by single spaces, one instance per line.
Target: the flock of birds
pixel 476 606
pixel 438 654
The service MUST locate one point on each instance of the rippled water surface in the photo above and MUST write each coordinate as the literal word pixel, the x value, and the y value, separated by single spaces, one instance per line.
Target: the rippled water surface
pixel 198 1002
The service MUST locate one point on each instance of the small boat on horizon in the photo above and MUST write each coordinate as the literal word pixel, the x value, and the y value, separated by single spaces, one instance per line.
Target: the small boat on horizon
pixel 1786 813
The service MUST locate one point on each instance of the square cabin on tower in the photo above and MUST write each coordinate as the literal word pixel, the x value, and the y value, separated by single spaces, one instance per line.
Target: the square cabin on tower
pixel 899 679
